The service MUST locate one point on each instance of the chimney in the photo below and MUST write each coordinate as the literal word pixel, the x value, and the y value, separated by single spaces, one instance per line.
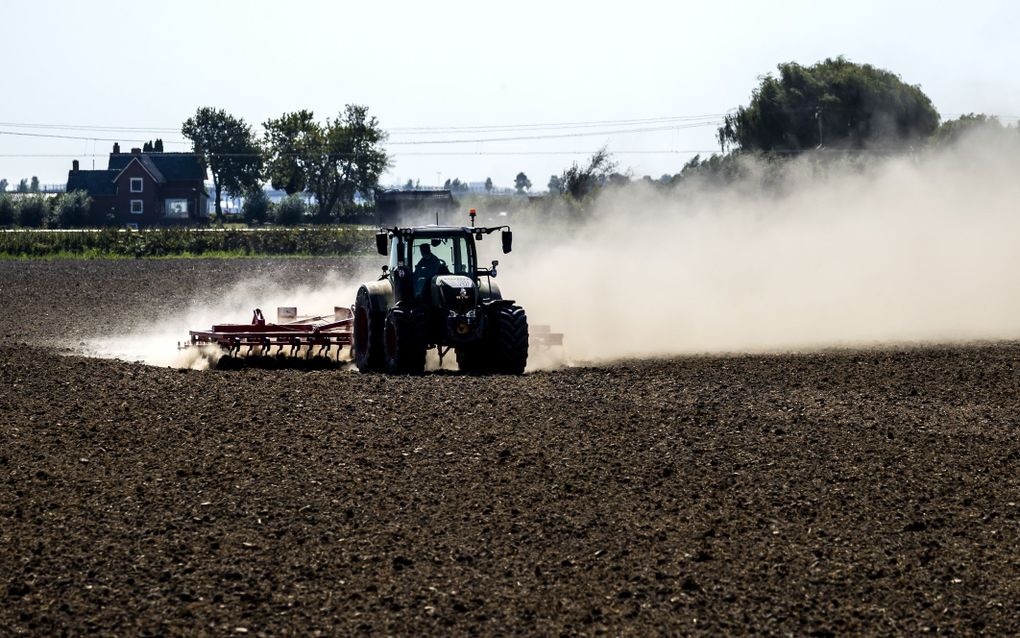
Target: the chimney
pixel 136 151
pixel 74 166
pixel 116 148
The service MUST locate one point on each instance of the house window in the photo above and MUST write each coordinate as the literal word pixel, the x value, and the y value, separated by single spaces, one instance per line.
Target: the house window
pixel 136 206
pixel 136 184
pixel 177 208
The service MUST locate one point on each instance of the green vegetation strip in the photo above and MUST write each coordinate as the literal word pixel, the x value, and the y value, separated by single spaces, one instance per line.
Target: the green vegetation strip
pixel 182 242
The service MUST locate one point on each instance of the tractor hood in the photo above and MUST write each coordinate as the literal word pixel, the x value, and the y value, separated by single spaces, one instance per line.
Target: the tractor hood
pixel 455 281
pixel 455 292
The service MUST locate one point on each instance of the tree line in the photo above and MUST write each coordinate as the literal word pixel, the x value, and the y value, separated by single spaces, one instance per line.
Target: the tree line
pixel 24 186
pixel 335 159
pixel 835 107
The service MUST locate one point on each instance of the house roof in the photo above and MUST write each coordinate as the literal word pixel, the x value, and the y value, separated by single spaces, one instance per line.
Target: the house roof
pixel 169 167
pixel 97 183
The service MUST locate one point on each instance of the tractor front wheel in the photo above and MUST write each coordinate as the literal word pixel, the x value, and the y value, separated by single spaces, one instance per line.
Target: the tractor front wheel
pixel 405 341
pixel 509 346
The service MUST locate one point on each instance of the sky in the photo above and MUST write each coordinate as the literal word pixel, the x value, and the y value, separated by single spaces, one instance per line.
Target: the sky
pixel 648 79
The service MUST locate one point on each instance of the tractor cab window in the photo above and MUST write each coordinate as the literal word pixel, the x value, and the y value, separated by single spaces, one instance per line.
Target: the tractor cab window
pixel 444 255
pixel 396 250
pixel 431 256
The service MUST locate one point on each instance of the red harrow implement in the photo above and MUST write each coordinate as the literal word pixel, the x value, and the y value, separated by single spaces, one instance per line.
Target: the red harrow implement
pixel 317 335
pixel 296 338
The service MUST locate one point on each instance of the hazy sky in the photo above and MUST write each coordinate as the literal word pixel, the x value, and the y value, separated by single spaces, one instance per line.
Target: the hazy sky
pixel 602 68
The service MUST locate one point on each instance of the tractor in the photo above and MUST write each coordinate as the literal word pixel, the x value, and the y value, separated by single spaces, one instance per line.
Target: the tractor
pixel 434 294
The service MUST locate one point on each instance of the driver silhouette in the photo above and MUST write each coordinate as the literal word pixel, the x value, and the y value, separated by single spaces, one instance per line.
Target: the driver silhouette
pixel 428 266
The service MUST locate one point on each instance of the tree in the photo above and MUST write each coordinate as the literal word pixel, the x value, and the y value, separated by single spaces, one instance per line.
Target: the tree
pixel 488 184
pixel 835 103
pixel 153 147
pixel 335 160
pixel 578 181
pixel 951 131
pixel 3 185
pixel 290 211
pixel 409 186
pixel 255 208
pixel 555 185
pixel 34 186
pixel 225 145
pixel 7 211
pixel 32 211
pixel 22 186
pixel 73 210
pixel 522 183
pixel 716 169
pixel 456 186
pixel 288 140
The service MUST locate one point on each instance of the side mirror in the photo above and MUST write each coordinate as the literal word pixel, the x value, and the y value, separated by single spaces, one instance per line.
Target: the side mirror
pixel 508 240
pixel 382 243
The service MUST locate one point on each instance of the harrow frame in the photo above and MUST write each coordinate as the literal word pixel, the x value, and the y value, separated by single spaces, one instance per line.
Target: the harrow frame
pixel 325 332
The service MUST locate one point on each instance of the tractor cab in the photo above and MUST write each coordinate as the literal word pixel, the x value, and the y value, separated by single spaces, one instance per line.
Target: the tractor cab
pixel 429 263
pixel 421 259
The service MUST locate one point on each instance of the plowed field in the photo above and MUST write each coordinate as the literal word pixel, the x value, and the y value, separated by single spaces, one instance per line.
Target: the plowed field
pixel 849 492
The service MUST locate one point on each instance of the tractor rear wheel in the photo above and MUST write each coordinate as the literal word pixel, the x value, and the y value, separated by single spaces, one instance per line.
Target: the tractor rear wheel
pixel 367 341
pixel 404 342
pixel 509 346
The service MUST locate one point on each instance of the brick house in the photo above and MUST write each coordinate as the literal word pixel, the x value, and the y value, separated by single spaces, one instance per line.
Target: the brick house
pixel 146 188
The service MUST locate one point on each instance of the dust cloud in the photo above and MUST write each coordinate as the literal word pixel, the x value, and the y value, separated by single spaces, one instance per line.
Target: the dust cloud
pixel 831 253
pixel 827 252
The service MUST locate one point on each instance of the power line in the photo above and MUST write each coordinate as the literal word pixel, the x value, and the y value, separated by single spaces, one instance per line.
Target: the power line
pixel 558 135
pixel 554 126
pixel 410 130
pixel 591 152
pixel 58 136
pixel 90 127
pixel 397 154
pixel 442 130
pixel 667 127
